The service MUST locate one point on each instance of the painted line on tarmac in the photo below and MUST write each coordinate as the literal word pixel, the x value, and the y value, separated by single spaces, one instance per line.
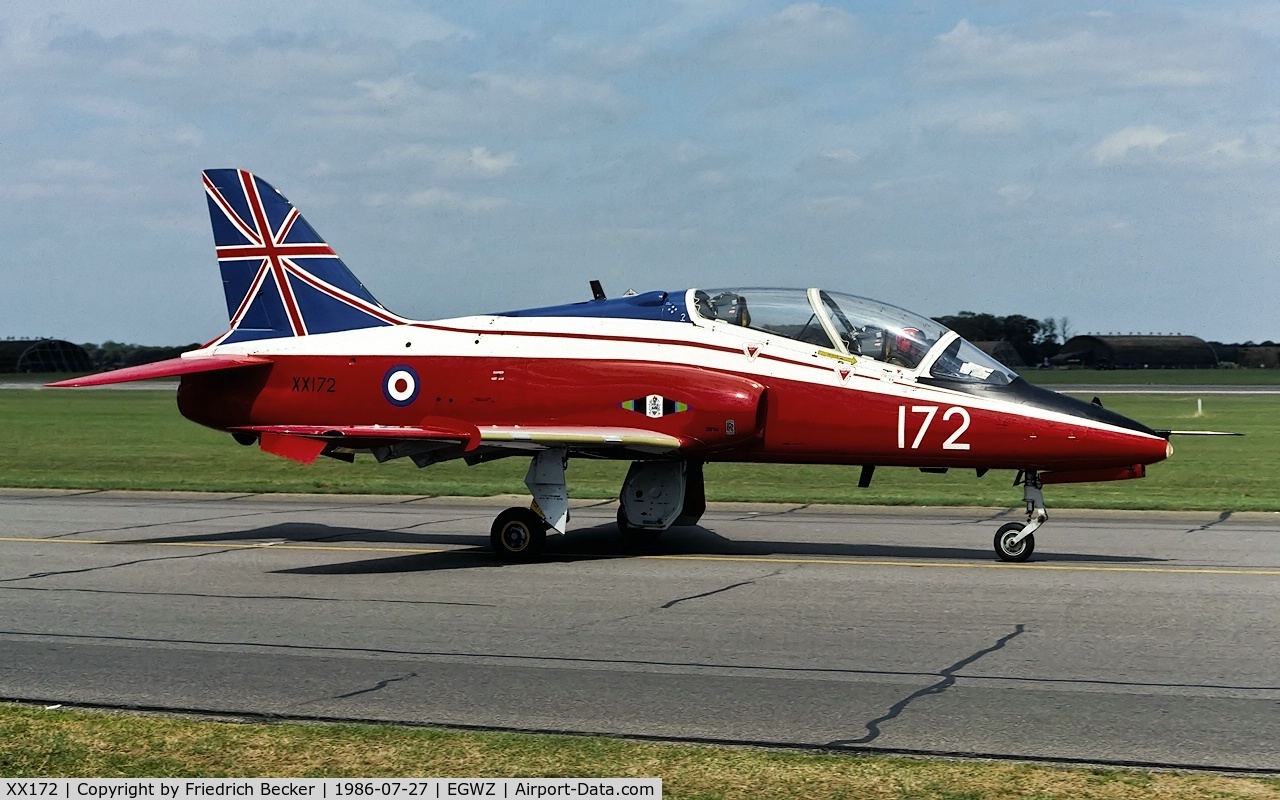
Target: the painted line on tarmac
pixel 728 559
pixel 230 545
pixel 919 564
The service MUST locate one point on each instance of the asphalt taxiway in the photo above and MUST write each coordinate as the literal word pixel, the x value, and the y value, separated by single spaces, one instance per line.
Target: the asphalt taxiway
pixel 1131 637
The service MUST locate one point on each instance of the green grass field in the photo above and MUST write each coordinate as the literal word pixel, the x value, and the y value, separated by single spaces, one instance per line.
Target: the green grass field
pixel 39 743
pixel 137 440
pixel 1154 377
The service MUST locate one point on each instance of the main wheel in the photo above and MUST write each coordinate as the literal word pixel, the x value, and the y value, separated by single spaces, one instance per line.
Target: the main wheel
pixel 518 534
pixel 1005 547
pixel 634 534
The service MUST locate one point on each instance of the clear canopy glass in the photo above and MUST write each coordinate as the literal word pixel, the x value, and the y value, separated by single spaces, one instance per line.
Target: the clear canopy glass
pixel 857 326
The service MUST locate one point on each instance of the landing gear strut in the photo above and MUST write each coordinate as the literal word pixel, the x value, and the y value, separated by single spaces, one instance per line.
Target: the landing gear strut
pixel 1014 540
pixel 520 534
pixel 659 494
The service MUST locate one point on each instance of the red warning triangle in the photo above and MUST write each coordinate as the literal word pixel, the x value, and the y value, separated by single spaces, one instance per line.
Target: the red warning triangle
pixel 752 349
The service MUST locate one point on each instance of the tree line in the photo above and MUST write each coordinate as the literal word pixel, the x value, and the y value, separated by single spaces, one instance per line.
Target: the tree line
pixel 115 355
pixel 1035 340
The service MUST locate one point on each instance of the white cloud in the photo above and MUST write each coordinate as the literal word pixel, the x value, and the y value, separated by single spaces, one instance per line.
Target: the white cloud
pixel 1258 149
pixel 490 165
pixel 688 152
pixel 1015 193
pixel 1121 145
pixel 709 178
pixel 732 136
pixel 398 21
pixel 1204 149
pixel 438 198
pixel 837 162
pixel 799 35
pixel 990 123
pixel 475 162
pixel 833 206
pixel 1095 50
pixel 842 156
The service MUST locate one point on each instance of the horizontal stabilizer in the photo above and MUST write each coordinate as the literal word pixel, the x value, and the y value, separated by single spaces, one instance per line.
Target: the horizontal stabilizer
pixel 294 448
pixel 170 368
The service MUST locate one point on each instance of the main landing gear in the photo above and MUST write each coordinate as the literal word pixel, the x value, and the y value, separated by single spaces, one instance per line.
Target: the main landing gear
pixel 1014 541
pixel 520 534
pixel 655 495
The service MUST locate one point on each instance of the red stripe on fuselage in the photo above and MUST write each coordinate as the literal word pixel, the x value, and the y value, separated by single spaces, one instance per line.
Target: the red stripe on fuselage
pixel 601 337
pixel 805 422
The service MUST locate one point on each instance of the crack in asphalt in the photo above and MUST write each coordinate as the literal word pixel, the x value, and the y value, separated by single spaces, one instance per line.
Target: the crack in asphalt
pixel 762 514
pixel 377 687
pixel 948 676
pixel 139 526
pixel 721 590
pixel 402 529
pixel 55 573
pixel 326 651
pixel 54 497
pixel 1223 517
pixel 999 515
pixel 210 596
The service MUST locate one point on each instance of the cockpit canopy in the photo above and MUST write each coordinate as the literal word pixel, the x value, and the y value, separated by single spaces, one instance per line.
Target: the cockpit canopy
pixel 855 326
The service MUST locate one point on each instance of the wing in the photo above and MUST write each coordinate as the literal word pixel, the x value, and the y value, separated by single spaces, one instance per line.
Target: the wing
pixel 442 439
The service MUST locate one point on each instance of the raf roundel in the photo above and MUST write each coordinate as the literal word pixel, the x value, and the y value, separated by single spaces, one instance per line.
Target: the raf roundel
pixel 400 386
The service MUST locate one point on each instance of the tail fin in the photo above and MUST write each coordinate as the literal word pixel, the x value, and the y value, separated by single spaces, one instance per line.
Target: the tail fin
pixel 280 278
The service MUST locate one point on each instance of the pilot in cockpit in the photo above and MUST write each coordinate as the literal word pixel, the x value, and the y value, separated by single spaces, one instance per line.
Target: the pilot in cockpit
pixel 907 348
pixel 727 307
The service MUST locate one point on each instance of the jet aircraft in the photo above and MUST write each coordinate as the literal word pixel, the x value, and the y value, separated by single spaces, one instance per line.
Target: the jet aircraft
pixel 313 365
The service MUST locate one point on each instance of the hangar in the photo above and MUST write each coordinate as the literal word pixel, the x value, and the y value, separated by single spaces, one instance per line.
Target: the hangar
pixel 43 355
pixel 1258 355
pixel 1136 352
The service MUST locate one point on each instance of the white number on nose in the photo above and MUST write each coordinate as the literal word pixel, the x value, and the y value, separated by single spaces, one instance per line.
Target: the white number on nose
pixel 929 412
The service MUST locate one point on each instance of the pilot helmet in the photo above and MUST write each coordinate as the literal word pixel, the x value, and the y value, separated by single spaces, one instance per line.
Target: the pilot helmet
pixel 732 308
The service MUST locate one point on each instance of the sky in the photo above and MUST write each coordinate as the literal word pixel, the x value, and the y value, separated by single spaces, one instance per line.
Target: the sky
pixel 1115 164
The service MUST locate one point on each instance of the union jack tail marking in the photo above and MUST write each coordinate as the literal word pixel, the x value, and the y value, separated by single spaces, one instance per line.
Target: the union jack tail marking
pixel 280 277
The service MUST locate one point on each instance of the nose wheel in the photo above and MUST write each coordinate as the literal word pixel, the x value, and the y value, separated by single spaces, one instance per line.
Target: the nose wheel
pixel 1014 541
pixel 1010 546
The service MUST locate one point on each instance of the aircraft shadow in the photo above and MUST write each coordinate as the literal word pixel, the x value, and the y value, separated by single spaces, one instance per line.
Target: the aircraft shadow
pixel 603 541
pixel 588 544
pixel 322 534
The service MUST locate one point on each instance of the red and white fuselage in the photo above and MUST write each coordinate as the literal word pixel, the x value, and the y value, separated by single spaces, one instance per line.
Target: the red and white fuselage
pixel 745 394
pixel 313 365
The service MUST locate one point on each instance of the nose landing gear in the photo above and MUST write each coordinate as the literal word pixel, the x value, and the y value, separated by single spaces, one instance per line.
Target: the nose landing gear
pixel 1014 541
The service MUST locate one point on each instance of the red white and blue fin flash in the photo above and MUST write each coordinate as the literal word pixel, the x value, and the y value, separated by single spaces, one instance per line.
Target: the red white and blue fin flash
pixel 279 276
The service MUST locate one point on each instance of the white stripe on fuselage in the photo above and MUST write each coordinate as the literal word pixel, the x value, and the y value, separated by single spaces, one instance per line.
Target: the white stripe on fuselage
pixel 714 346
